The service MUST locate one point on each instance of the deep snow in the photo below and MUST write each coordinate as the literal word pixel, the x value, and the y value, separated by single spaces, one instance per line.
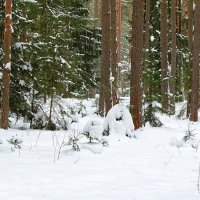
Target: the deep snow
pixel 150 166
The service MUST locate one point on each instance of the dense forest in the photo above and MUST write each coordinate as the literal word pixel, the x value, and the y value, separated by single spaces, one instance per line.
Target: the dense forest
pixel 99 99
pixel 109 49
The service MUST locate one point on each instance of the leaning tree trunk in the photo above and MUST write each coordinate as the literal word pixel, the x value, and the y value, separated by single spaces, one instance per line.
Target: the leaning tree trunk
pixel 195 68
pixel 6 64
pixel 136 63
pixel 164 49
pixel 105 90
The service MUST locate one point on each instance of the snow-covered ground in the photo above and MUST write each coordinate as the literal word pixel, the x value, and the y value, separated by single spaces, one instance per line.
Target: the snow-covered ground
pixel 156 165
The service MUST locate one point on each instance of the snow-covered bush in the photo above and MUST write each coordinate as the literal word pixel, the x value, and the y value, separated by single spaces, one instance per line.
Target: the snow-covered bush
pixel 119 120
pixel 74 142
pixel 93 129
pixel 182 112
pixel 150 115
pixel 59 117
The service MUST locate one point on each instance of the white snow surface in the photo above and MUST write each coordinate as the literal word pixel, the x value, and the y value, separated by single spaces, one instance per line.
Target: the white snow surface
pixel 152 167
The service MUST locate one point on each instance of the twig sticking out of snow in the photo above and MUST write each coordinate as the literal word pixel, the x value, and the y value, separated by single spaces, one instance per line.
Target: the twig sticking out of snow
pixel 198 183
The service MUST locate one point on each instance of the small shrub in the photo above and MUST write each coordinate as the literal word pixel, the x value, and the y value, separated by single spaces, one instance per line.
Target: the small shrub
pixel 189 135
pixel 15 142
pixel 73 141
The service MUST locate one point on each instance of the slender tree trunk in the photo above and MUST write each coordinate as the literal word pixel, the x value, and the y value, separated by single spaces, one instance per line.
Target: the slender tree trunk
pixel 119 27
pixel 24 31
pixel 190 47
pixel 50 123
pixel 190 24
pixel 114 50
pixel 195 69
pixel 1 24
pixel 105 90
pixel 173 56
pixel 164 52
pixel 136 63
pixel 147 43
pixel 6 64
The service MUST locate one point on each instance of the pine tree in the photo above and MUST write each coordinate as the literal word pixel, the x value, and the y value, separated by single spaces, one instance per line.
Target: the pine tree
pixel 114 51
pixel 195 68
pixel 152 69
pixel 164 53
pixel 105 90
pixel 190 47
pixel 173 56
pixel 6 64
pixel 136 63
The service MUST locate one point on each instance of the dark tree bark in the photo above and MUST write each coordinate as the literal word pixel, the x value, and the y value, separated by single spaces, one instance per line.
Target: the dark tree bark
pixel 190 47
pixel 114 50
pixel 105 90
pixel 164 52
pixel 190 24
pixel 173 57
pixel 195 68
pixel 6 64
pixel 119 27
pixel 136 63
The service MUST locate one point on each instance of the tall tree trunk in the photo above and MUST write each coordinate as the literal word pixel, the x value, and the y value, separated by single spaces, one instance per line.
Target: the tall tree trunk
pixel 105 90
pixel 136 63
pixel 119 27
pixel 190 47
pixel 24 36
pixel 173 56
pixel 6 64
pixel 147 43
pixel 190 24
pixel 195 69
pixel 1 24
pixel 114 51
pixel 164 49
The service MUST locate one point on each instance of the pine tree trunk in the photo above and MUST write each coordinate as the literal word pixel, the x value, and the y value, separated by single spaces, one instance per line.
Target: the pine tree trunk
pixel 173 56
pixel 105 90
pixel 190 47
pixel 136 63
pixel 164 49
pixel 1 25
pixel 195 69
pixel 119 27
pixel 114 50
pixel 190 24
pixel 6 64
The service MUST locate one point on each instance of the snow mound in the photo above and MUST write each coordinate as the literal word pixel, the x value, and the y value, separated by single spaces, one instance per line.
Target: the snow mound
pixel 94 129
pixel 119 120
pixel 176 142
pixel 93 147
